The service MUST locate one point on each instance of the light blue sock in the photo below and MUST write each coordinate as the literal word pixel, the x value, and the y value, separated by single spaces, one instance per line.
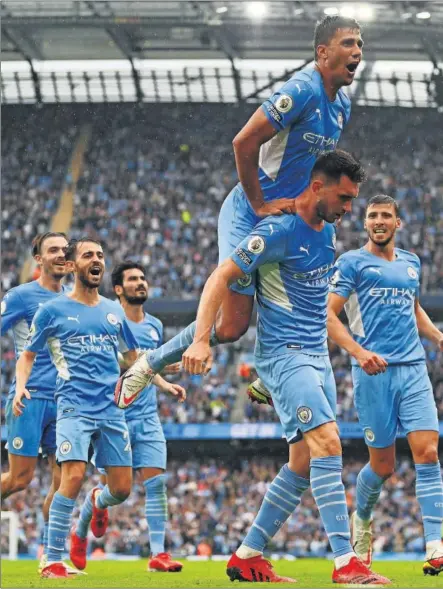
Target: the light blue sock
pixel 172 351
pixel 429 492
pixel 45 538
pixel 107 499
pixel 100 485
pixel 85 517
pixel 282 497
pixel 60 514
pixel 329 494
pixel 369 486
pixel 156 509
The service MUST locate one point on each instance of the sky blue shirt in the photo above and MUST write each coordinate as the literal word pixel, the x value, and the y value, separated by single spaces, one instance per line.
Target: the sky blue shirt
pixel 18 308
pixel 84 343
pixel 307 124
pixel 381 303
pixel 149 334
pixel 294 264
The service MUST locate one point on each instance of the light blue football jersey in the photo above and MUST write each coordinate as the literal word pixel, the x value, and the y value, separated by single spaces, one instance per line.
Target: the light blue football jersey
pixel 84 343
pixel 294 264
pixel 149 335
pixel 380 307
pixel 18 308
pixel 308 124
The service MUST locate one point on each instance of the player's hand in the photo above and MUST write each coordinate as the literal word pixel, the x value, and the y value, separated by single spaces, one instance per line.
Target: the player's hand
pixel 17 403
pixel 176 391
pixel 277 207
pixel 371 362
pixel 198 358
pixel 172 368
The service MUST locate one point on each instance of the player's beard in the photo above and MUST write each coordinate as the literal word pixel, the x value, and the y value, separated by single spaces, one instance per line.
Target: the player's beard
pixel 383 243
pixel 84 280
pixel 136 300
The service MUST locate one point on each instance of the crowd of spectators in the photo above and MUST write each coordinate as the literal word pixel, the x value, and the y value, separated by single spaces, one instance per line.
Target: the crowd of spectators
pixel 155 176
pixel 212 504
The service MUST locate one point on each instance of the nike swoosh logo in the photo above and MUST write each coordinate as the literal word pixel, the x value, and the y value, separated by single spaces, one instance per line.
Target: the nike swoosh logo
pixel 131 399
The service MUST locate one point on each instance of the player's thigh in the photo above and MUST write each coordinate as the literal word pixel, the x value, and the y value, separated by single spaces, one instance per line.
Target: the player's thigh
pixel 417 410
pixel 113 446
pixel 24 432
pixel 49 437
pixel 377 406
pixel 297 382
pixel 73 436
pixel 236 220
pixel 148 444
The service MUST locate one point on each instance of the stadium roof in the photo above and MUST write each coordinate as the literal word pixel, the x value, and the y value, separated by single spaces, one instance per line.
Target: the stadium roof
pixel 88 29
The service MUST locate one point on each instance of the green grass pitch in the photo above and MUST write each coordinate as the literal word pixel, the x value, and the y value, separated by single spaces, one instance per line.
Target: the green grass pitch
pixel 309 573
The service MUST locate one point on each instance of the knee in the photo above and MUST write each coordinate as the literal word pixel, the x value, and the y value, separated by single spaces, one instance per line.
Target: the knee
pixel 324 441
pixel 121 491
pixel 427 454
pixel 384 469
pixel 73 478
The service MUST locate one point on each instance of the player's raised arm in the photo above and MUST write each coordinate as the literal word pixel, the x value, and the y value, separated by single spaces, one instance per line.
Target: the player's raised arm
pixel 198 357
pixel 426 328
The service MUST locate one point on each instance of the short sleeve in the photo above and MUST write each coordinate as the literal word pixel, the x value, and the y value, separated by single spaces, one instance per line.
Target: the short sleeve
pixel 287 106
pixel 418 266
pixel 126 339
pixel 343 280
pixel 12 309
pixel 161 334
pixel 41 329
pixel 265 244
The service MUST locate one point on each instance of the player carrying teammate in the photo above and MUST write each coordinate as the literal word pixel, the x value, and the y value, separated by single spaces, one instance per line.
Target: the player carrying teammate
pixel 36 427
pixel 275 152
pixel 145 430
pixel 84 332
pixel 293 256
pixel 378 285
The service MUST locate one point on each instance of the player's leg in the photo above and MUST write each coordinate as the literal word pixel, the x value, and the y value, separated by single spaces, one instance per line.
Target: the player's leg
pixel 284 493
pixel 49 447
pixel 112 452
pixel 419 420
pixel 316 417
pixel 23 436
pixel 377 403
pixel 79 533
pixel 73 440
pixel 370 481
pixel 19 475
pixel 281 499
pixel 149 460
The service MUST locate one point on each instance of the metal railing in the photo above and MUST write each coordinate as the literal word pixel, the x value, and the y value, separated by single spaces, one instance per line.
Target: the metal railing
pixel 199 84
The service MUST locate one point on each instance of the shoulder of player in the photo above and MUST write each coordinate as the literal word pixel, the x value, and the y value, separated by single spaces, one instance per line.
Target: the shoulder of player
pixel 274 225
pixel 408 256
pixel 351 257
pixel 302 81
pixel 23 291
pixel 110 306
pixel 153 322
pixel 344 99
